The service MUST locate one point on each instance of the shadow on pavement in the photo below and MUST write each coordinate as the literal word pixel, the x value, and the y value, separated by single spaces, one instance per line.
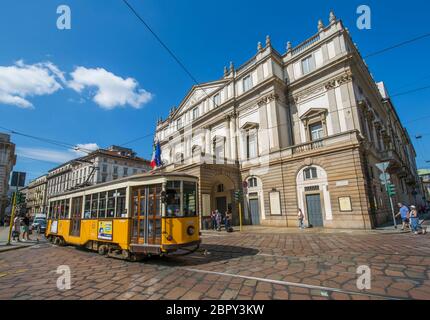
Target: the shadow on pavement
pixel 207 253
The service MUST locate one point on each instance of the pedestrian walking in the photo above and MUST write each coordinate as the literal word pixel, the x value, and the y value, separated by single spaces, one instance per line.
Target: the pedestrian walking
pixel 16 228
pixel 25 228
pixel 404 214
pixel 415 222
pixel 301 218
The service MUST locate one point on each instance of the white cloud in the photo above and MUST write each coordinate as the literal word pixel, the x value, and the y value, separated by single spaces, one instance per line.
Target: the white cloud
pixel 83 149
pixel 111 91
pixel 20 81
pixel 43 154
pixel 56 156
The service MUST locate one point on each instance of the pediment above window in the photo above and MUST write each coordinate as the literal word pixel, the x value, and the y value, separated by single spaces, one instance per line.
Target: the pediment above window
pixel 250 126
pixel 313 113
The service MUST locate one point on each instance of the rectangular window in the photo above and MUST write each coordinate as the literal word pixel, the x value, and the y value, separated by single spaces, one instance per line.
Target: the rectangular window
pixel 251 145
pixel 179 124
pixel 316 131
pixel 120 203
pixel 190 199
pixel 105 168
pixel 102 205
pixel 217 100
pixel 173 199
pixel 115 170
pixel 87 207
pixel 308 65
pixel 111 205
pixel 219 151
pixel 134 171
pixel 195 113
pixel 247 83
pixel 94 205
pixel 76 207
pixel 125 172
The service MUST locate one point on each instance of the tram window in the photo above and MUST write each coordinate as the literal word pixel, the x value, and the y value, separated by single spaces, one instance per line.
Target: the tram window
pixel 94 205
pixel 66 209
pixel 173 198
pixel 102 205
pixel 76 207
pixel 120 203
pixel 111 204
pixel 60 209
pixel 190 199
pixel 87 209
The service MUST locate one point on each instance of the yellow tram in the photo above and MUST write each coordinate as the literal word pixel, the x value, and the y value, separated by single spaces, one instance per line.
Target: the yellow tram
pixel 142 215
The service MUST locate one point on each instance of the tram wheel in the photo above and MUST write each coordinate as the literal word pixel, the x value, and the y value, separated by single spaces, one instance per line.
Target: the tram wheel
pixel 57 241
pixel 103 250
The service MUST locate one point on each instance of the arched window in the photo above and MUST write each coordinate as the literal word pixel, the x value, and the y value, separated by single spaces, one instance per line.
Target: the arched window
pixel 310 173
pixel 252 182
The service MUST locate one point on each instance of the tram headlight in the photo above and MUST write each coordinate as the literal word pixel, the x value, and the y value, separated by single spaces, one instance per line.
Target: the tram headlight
pixel 190 230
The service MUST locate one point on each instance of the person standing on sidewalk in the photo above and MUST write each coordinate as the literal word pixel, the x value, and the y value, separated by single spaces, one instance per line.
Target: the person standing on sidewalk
pixel 415 221
pixel 25 228
pixel 301 217
pixel 213 220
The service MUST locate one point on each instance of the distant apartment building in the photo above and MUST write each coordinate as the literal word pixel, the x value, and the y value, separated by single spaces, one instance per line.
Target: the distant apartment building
pixel 7 161
pixel 37 195
pixel 424 175
pixel 100 166
pixel 304 129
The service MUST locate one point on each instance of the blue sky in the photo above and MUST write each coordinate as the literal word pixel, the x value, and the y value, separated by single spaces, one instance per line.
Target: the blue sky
pixel 108 42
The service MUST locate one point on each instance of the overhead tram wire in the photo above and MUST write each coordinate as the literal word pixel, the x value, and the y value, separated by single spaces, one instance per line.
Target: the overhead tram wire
pixel 398 45
pixel 46 140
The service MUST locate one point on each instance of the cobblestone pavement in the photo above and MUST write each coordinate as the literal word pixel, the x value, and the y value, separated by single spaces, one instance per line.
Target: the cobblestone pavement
pixel 248 265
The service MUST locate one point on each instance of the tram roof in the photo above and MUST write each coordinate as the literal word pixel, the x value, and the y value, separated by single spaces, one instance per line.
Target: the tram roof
pixel 137 177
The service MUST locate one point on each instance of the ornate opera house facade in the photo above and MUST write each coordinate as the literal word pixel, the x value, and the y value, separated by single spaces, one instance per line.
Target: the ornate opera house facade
pixel 304 129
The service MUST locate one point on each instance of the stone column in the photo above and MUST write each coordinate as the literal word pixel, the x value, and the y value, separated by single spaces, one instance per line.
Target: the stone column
pixel 228 139
pixel 233 137
pixel 208 141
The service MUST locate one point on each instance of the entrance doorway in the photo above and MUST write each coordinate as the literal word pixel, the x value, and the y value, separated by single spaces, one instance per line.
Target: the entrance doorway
pixel 313 205
pixel 221 204
pixel 254 211
pixel 146 215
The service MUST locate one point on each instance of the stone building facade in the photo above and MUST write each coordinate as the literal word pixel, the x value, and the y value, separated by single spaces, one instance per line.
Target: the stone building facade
pixel 7 161
pixel 102 165
pixel 36 199
pixel 305 129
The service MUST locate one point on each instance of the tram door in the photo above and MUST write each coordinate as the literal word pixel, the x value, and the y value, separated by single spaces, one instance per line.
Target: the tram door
pixel 146 226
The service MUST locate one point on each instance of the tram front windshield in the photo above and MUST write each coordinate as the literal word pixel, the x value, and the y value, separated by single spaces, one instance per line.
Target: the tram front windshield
pixel 181 199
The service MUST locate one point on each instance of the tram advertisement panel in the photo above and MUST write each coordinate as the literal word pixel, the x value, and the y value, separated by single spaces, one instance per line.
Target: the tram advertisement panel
pixel 105 230
pixel 54 226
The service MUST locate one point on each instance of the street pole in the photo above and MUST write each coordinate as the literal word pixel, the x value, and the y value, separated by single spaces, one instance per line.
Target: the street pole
pixel 389 197
pixel 12 216
pixel 392 210
pixel 240 216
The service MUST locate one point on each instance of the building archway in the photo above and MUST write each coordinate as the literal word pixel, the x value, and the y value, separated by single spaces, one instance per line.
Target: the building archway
pixel 222 194
pixel 313 196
